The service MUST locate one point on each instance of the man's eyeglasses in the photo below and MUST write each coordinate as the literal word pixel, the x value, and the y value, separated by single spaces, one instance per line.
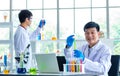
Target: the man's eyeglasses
pixel 30 19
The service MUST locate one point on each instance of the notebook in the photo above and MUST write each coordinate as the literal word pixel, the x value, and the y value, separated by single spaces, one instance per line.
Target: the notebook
pixel 47 63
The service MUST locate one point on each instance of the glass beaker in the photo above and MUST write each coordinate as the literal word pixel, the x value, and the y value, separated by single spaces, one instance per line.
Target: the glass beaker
pixel 6 70
pixel 5 15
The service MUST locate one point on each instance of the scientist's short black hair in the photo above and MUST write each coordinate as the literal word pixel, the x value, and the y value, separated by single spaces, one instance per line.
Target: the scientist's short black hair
pixel 92 25
pixel 24 14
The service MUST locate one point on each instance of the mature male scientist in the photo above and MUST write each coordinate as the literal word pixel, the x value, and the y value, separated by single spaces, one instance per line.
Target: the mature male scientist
pixel 95 55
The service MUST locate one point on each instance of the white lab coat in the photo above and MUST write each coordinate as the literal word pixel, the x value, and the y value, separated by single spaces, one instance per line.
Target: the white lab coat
pixel 21 40
pixel 98 60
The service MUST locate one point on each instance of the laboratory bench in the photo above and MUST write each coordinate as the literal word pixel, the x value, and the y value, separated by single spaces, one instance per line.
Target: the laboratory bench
pixel 51 74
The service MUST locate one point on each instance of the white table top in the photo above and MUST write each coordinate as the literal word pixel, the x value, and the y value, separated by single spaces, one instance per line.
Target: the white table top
pixel 58 74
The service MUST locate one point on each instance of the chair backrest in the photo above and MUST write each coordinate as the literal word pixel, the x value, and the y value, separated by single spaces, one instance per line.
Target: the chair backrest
pixel 61 60
pixel 114 70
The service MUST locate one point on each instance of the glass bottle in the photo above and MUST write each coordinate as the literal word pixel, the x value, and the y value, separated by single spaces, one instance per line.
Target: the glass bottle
pixel 0 64
pixel 39 36
pixel 42 35
pixel 6 70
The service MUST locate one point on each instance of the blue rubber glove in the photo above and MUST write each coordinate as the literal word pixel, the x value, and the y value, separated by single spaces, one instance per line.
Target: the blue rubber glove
pixel 79 54
pixel 70 40
pixel 42 23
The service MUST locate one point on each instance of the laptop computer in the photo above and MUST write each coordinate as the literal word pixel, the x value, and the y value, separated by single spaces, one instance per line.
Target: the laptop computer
pixel 47 63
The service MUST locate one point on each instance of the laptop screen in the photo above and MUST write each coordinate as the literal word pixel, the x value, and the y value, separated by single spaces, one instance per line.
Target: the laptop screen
pixel 47 63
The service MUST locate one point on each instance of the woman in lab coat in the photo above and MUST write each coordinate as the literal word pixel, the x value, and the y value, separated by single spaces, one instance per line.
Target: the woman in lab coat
pixel 22 37
pixel 95 55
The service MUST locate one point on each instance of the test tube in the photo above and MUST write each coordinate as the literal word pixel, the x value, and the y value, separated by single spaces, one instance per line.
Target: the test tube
pixel 80 65
pixel 66 67
pixel 72 66
pixel 75 45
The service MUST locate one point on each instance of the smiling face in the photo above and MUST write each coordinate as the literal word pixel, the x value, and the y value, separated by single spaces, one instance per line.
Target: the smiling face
pixel 92 36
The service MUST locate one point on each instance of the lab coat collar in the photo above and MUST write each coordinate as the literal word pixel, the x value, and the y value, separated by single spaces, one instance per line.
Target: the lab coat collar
pixel 23 29
pixel 97 45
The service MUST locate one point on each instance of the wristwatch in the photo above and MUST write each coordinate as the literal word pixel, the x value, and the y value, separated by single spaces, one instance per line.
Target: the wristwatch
pixel 67 47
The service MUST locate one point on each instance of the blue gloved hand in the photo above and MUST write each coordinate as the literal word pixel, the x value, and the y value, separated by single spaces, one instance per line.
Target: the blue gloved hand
pixel 42 23
pixel 70 40
pixel 79 54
